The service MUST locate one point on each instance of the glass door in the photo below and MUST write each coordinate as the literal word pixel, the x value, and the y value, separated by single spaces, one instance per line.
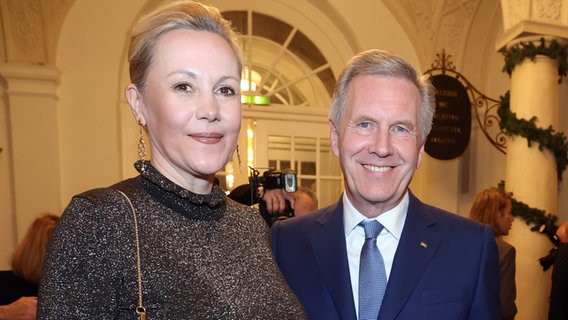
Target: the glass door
pixel 303 147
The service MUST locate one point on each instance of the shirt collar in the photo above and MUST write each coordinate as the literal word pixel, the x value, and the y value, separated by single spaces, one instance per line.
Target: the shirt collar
pixel 392 220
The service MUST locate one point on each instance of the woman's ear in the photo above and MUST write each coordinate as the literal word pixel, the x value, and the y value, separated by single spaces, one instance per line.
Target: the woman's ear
pixel 133 96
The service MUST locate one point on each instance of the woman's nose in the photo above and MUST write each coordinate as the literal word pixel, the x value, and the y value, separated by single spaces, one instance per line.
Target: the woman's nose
pixel 208 108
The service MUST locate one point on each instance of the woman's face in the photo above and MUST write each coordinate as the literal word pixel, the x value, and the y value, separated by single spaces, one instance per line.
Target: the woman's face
pixel 505 219
pixel 191 106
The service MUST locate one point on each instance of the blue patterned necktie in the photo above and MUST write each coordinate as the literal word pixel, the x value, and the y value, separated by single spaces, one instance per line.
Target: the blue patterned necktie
pixel 372 274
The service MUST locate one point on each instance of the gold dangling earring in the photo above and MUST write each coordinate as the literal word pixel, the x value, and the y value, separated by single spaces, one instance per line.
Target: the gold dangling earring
pixel 142 147
pixel 239 159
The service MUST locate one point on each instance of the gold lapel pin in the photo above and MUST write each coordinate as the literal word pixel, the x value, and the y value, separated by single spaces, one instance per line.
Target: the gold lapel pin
pixel 423 244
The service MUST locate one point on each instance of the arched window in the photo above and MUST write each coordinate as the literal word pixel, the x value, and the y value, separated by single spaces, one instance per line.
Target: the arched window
pixel 285 70
pixel 282 65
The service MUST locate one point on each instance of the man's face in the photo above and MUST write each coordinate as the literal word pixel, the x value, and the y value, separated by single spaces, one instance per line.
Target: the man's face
pixel 303 203
pixel 378 141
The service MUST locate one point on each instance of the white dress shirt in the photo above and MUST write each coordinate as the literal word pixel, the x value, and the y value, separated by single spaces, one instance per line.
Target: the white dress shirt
pixel 387 241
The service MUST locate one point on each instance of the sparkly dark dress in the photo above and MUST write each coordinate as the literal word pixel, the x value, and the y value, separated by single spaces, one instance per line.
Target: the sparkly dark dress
pixel 202 257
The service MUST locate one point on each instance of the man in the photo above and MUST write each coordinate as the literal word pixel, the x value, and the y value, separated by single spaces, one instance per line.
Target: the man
pixel 559 291
pixel 438 265
pixel 303 201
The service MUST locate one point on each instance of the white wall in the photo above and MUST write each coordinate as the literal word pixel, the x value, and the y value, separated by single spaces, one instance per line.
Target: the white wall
pixel 90 55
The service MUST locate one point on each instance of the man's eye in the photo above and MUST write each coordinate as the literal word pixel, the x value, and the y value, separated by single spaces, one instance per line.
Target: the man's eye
pixel 400 129
pixel 365 125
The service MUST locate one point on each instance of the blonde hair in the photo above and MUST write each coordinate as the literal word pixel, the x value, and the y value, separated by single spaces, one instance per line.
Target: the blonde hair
pixel 185 15
pixel 487 206
pixel 27 259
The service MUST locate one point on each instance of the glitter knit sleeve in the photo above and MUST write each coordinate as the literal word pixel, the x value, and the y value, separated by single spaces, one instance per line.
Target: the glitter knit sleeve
pixel 80 278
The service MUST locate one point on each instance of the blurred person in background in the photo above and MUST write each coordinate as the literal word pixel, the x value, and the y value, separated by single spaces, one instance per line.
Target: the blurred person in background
pixel 494 207
pixel 559 290
pixel 19 286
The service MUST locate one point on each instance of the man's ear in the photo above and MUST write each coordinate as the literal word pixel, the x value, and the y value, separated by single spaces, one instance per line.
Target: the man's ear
pixel 420 154
pixel 134 99
pixel 334 138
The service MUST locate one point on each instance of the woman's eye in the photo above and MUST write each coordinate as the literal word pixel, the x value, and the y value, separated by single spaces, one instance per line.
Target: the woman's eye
pixel 226 91
pixel 184 87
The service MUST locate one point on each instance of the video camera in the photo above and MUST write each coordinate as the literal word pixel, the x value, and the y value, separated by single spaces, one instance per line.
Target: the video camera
pixel 272 179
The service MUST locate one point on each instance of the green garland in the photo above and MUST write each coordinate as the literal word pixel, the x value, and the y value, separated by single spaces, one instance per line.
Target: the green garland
pixel 523 50
pixel 538 219
pixel 547 138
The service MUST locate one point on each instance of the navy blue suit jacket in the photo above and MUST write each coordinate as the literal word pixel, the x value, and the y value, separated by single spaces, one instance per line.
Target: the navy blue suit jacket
pixel 445 266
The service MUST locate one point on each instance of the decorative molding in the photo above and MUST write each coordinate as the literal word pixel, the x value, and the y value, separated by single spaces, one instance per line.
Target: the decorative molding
pixel 522 18
pixel 32 29
pixel 467 6
pixel 421 13
pixel 25 24
pixel 548 9
pixel 25 79
pixel 450 34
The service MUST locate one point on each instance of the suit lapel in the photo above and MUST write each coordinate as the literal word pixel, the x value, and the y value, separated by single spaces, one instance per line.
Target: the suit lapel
pixel 416 248
pixel 330 254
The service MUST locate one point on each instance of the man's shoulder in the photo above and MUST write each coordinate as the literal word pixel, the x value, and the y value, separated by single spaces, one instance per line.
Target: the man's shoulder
pixel 308 223
pixel 443 220
pixel 320 216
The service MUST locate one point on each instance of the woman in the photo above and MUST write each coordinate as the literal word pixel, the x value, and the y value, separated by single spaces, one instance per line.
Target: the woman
pixel 19 286
pixel 494 207
pixel 183 250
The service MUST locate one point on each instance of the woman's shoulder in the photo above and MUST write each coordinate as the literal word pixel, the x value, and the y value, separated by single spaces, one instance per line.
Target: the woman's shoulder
pixel 104 195
pixel 100 204
pixel 504 247
pixel 245 214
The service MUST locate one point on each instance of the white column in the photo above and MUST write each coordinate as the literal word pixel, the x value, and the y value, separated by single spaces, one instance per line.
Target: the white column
pixel 30 143
pixel 531 176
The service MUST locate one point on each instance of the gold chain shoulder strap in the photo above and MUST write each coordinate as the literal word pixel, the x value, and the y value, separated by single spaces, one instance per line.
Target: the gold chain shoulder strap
pixel 140 310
